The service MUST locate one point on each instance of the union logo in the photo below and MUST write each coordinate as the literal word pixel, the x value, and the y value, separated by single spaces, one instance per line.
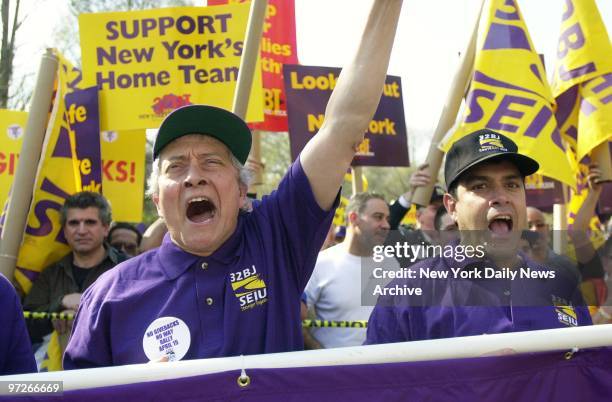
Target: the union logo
pixel 490 142
pixel 249 288
pixel 167 103
pixel 566 314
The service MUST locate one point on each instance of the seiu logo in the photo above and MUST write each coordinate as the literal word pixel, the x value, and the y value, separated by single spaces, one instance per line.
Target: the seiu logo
pixel 490 140
pixel 169 102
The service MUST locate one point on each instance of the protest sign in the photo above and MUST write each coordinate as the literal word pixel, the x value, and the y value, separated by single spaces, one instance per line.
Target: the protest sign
pixel 278 47
pixel 150 62
pixel 12 127
pixel 308 91
pixel 542 192
pixel 123 172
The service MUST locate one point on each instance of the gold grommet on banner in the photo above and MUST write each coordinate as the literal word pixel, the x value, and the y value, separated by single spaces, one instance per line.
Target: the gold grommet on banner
pixel 570 354
pixel 243 380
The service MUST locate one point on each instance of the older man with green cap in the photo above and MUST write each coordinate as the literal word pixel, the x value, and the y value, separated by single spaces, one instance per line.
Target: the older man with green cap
pixel 224 281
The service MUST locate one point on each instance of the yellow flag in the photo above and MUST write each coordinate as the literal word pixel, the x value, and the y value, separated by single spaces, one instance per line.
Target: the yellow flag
pixel 509 92
pixel 12 127
pixel 582 80
pixel 53 357
pixel 60 173
pixel 40 246
pixel 123 173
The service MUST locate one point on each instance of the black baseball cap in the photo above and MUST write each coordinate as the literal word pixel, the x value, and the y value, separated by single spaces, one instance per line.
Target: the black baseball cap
pixel 480 146
pixel 206 120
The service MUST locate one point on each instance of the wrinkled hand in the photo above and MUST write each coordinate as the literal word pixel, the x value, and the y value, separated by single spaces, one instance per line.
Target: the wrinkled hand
pixel 594 178
pixel 63 326
pixel 71 301
pixel 162 359
pixel 603 315
pixel 420 178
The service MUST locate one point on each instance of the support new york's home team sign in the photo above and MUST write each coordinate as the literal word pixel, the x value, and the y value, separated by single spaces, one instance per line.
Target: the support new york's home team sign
pixel 147 63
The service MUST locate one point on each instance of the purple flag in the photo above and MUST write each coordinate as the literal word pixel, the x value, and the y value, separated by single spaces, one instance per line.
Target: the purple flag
pixel 587 376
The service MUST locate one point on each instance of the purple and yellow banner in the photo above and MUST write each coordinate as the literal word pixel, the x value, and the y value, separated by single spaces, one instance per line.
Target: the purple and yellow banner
pixel 308 90
pixel 528 377
pixel 12 128
pixel 70 162
pixel 509 92
pixel 582 80
pixel 150 62
pixel 582 85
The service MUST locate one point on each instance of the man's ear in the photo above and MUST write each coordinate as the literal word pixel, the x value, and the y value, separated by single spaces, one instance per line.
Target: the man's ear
pixel 155 199
pixel 451 205
pixel 106 229
pixel 243 193
pixel 352 217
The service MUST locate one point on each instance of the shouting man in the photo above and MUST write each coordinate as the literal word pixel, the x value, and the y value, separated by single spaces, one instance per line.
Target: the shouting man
pixel 491 287
pixel 227 282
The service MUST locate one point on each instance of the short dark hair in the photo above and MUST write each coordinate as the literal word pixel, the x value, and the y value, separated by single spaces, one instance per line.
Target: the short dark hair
pixel 84 200
pixel 440 212
pixel 124 225
pixel 452 190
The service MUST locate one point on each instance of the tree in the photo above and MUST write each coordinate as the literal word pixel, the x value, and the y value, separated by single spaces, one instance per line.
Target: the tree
pixel 7 49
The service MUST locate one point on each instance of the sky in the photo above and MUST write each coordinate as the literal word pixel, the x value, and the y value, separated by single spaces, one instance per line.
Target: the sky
pixel 430 36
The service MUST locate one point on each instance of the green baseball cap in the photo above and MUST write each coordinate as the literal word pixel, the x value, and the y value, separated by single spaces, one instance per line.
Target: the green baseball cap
pixel 206 120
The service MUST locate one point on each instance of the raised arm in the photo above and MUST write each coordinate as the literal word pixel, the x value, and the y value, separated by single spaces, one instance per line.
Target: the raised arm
pixel 579 233
pixel 353 102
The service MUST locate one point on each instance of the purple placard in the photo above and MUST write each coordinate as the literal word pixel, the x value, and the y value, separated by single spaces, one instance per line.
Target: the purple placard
pixel 543 192
pixel 83 114
pixel 308 90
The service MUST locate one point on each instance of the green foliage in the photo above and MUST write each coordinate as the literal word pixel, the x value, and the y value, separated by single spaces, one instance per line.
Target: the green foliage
pixel 388 181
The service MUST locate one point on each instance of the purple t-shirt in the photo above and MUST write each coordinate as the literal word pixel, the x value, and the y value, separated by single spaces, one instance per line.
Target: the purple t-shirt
pixel 242 299
pixel 475 306
pixel 16 355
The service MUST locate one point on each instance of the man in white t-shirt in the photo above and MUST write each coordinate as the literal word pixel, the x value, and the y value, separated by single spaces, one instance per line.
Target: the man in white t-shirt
pixel 334 290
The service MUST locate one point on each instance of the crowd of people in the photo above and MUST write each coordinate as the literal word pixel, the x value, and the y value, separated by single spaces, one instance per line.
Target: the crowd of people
pixel 220 275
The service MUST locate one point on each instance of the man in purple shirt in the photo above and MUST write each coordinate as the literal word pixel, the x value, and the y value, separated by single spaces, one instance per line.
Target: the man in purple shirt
pixel 483 285
pixel 226 282
pixel 16 356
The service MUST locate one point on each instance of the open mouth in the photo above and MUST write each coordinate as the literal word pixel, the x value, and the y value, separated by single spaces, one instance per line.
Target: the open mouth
pixel 200 210
pixel 501 224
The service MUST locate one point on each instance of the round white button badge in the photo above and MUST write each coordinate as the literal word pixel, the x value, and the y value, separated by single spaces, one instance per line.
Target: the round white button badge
pixel 166 336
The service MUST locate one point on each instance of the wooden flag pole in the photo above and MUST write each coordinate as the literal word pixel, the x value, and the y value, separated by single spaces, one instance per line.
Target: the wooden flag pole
pixel 560 228
pixel 421 195
pixel 248 62
pixel 25 175
pixel 560 232
pixel 357 180
pixel 601 156
pixel 244 82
